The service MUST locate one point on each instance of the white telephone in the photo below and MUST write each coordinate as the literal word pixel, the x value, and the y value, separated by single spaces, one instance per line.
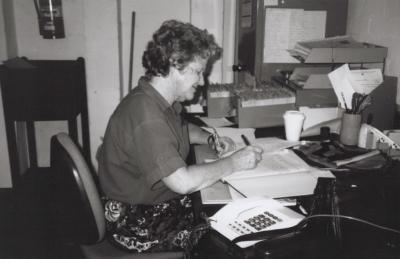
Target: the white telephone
pixel 369 137
pixel 251 215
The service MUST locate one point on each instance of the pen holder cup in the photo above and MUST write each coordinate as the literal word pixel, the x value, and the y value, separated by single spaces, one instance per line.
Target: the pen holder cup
pixel 350 128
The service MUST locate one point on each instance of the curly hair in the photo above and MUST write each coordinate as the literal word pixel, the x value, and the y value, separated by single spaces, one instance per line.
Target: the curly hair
pixel 176 44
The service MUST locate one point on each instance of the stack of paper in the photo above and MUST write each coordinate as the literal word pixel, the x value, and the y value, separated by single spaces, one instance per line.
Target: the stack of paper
pixel 303 49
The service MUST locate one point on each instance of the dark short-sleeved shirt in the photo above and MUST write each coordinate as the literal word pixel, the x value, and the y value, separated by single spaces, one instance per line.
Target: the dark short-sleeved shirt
pixel 146 140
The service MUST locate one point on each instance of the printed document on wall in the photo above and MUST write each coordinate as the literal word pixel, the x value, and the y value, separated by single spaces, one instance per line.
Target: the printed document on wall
pixel 284 27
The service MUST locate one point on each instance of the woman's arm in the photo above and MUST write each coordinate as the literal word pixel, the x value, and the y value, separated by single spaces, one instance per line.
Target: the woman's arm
pixel 192 178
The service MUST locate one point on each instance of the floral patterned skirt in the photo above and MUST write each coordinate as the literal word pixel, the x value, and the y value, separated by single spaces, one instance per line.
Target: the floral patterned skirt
pixel 167 226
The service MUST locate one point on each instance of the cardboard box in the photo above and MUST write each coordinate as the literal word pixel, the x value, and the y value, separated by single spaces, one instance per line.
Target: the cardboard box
pixel 220 104
pixel 373 53
pixel 312 87
pixel 262 116
pixel 263 107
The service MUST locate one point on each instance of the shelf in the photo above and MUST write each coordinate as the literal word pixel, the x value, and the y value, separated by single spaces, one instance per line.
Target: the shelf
pixel 369 53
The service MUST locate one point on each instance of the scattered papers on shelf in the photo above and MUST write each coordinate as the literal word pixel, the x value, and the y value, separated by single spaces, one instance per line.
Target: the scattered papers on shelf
pixel 303 49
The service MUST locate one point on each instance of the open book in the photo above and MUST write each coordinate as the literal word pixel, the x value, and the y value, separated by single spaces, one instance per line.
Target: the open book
pixel 281 162
pixel 220 193
pixel 279 174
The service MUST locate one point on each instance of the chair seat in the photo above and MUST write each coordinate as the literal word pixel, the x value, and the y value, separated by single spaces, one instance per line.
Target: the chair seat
pixel 105 250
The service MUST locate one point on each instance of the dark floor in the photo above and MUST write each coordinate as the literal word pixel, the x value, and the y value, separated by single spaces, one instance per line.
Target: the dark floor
pixel 26 231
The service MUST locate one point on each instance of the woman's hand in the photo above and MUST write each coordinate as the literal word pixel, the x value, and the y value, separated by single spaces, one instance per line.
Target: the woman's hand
pixel 226 145
pixel 246 158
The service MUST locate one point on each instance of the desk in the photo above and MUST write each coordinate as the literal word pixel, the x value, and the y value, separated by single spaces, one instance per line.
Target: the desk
pixel 43 90
pixel 374 244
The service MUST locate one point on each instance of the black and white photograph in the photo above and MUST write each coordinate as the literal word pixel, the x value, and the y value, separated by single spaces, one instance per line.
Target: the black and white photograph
pixel 199 129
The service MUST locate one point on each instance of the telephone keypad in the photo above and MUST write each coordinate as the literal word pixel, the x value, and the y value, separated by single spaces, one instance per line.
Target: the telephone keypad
pixel 258 222
pixel 239 228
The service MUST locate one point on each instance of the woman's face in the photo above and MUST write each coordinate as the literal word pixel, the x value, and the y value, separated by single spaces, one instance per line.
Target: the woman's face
pixel 189 79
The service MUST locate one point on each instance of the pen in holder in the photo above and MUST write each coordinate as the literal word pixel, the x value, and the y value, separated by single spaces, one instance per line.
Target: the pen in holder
pixel 350 128
pixel 351 120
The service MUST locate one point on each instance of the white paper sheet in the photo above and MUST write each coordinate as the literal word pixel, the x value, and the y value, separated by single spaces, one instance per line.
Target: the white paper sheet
pixel 194 108
pixel 277 34
pixel 276 163
pixel 315 116
pixel 341 85
pixel 274 144
pixel 216 122
pixel 366 80
pixel 284 27
pixel 346 82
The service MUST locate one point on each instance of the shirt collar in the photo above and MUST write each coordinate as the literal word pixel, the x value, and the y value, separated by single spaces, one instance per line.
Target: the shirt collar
pixel 149 90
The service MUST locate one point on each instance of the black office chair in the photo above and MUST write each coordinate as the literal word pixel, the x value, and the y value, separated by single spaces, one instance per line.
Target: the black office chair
pixel 79 212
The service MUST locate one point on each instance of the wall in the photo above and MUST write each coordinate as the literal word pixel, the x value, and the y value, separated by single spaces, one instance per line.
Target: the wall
pixel 5 176
pixel 146 22
pixel 218 17
pixel 30 44
pixel 206 14
pixel 101 51
pixel 378 22
pixel 88 36
pixel 91 28
pixel 92 32
pixel 229 29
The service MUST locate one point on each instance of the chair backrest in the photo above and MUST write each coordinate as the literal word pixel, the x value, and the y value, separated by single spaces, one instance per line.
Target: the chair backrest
pixel 78 208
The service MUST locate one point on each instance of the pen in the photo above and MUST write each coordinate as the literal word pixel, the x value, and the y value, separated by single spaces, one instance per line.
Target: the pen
pixel 230 185
pixel 245 140
pixel 345 104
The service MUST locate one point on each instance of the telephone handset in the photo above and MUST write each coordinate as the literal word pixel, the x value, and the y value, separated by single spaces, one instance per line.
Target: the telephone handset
pixel 252 215
pixel 370 136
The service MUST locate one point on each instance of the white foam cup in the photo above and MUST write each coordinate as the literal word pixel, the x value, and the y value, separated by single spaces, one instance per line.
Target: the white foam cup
pixel 294 121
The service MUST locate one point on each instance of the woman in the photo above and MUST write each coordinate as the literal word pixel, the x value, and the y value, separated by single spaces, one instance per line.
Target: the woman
pixel 142 167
